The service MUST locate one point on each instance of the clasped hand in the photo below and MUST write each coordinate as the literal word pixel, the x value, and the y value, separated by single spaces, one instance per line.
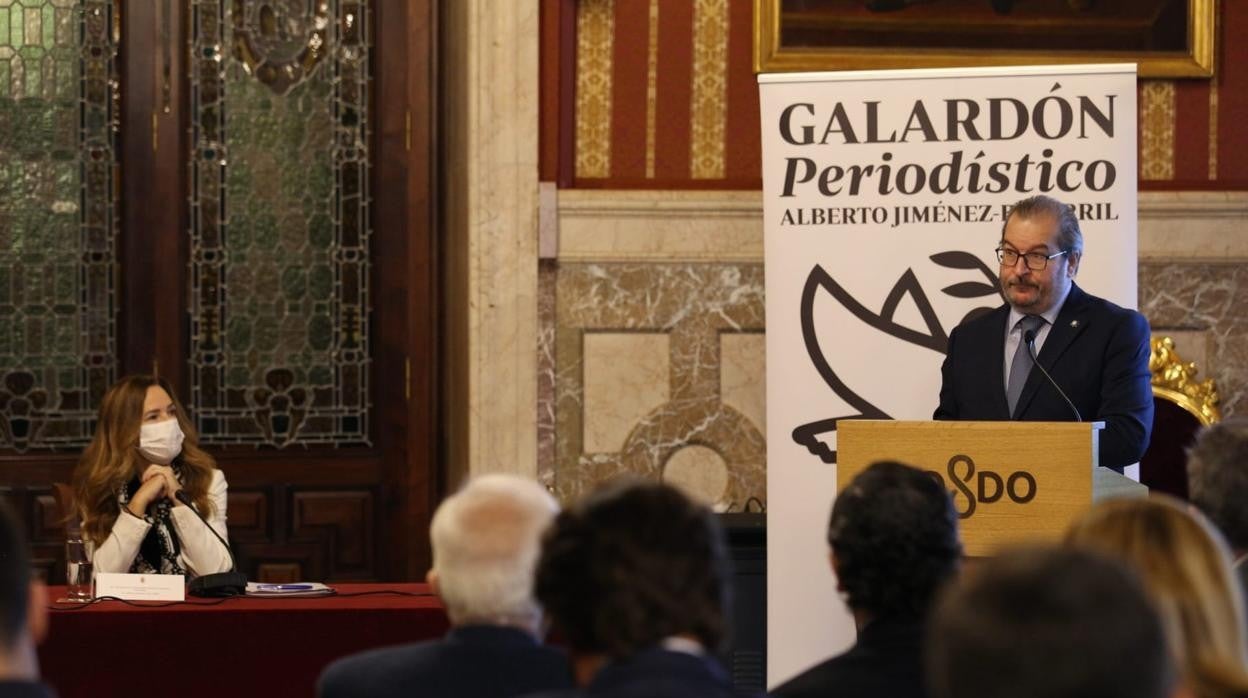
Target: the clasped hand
pixel 158 481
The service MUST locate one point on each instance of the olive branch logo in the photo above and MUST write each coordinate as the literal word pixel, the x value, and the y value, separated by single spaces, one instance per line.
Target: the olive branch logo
pixel 934 337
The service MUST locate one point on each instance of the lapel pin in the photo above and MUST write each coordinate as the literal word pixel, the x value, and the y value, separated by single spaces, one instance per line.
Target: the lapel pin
pixel 1074 323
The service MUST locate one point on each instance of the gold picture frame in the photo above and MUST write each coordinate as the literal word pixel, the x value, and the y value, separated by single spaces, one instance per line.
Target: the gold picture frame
pixel 1196 61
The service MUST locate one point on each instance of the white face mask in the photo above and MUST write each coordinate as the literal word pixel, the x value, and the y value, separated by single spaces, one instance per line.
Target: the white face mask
pixel 161 442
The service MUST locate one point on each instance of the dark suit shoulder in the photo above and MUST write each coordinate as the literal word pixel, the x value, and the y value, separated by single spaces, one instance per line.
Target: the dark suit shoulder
pixel 885 662
pixel 857 675
pixel 661 673
pixel 25 689
pixel 1080 301
pixel 451 666
pixel 356 672
pixel 984 323
pixel 1126 330
pixel 1241 572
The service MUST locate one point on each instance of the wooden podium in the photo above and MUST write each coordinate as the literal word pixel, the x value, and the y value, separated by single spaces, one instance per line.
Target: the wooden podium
pixel 1011 482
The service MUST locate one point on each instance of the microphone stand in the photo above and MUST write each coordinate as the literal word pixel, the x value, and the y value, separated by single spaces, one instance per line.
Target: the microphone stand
pixel 232 583
pixel 1029 337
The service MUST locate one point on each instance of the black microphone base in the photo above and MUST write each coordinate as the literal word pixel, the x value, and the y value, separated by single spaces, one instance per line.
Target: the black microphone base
pixel 220 584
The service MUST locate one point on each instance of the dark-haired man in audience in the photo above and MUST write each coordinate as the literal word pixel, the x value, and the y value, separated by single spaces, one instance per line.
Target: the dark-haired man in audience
pixel 635 579
pixel 893 536
pixel 1048 623
pixel 1217 483
pixel 486 540
pixel 23 615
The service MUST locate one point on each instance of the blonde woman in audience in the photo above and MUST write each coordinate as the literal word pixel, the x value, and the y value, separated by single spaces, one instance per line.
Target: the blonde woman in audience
pixel 1186 568
pixel 144 452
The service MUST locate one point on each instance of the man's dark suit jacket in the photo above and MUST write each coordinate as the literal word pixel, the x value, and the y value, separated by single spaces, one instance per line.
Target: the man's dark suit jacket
pixel 1097 351
pixel 25 689
pixel 886 662
pixel 656 673
pixel 481 661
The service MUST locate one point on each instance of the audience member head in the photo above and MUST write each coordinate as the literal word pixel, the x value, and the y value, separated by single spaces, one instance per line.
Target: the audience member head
pixel 1217 477
pixel 117 452
pixel 894 539
pixel 1047 623
pixel 23 616
pixel 486 539
pixel 632 564
pixel 1186 569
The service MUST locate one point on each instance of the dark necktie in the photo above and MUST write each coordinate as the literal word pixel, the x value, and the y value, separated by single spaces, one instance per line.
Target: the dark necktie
pixel 1020 367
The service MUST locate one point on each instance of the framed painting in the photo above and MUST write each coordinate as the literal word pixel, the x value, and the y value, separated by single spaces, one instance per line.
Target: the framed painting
pixel 1165 38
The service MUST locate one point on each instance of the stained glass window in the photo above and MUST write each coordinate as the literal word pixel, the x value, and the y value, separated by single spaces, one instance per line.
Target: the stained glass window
pixel 280 222
pixel 58 218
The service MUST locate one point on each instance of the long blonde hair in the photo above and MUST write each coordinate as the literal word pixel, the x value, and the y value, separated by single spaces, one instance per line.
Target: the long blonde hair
pixel 1186 567
pixel 112 458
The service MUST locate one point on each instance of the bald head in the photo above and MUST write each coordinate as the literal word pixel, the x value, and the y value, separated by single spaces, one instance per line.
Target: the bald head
pixel 486 540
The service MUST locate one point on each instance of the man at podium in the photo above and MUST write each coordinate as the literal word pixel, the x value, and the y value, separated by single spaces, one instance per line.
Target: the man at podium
pixel 1095 352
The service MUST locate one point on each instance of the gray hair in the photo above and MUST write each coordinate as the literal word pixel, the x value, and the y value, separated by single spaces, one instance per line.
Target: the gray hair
pixel 486 540
pixel 1217 478
pixel 1069 237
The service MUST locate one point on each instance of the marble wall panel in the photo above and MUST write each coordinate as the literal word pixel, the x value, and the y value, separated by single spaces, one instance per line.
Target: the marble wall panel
pixel 1208 297
pixel 625 379
pixel 711 447
pixel 742 375
pixel 701 472
pixel 547 273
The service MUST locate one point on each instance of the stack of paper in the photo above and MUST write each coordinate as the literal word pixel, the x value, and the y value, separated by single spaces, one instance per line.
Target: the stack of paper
pixel 295 589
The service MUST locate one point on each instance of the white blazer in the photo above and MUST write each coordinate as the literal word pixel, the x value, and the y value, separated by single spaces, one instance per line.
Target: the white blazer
pixel 201 552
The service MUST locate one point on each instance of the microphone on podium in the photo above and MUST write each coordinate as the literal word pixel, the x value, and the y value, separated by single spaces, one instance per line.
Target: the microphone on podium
pixel 1029 338
pixel 232 583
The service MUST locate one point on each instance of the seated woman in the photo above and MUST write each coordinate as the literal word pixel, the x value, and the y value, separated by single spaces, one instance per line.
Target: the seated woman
pixel 143 452
pixel 1186 569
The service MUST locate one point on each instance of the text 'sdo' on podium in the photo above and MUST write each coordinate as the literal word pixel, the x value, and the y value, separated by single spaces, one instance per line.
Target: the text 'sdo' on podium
pixel 1011 482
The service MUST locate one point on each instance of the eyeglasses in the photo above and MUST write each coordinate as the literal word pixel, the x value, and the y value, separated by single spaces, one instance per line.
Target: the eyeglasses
pixel 1036 261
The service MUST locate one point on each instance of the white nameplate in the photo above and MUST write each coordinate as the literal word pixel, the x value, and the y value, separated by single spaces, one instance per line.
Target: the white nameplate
pixel 141 587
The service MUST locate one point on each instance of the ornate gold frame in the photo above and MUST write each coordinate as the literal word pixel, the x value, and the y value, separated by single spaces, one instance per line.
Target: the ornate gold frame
pixel 1176 381
pixel 771 57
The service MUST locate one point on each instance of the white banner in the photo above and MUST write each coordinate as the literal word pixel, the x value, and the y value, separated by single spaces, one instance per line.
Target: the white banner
pixel 884 194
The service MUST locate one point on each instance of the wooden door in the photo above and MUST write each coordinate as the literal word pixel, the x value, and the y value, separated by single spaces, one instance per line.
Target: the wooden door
pixel 257 225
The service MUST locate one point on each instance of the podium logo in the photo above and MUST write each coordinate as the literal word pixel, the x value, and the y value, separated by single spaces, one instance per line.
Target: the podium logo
pixel 985 486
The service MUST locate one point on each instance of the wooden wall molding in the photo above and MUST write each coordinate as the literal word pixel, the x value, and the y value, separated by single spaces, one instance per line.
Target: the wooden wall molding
pixel 286 532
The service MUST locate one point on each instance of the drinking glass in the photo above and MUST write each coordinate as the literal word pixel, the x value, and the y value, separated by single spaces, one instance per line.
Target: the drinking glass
pixel 79 571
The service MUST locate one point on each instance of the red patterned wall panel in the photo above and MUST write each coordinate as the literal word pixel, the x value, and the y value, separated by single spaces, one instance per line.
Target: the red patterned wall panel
pixel 628 118
pixel 1191 153
pixel 1232 127
pixel 744 155
pixel 640 131
pixel 673 81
